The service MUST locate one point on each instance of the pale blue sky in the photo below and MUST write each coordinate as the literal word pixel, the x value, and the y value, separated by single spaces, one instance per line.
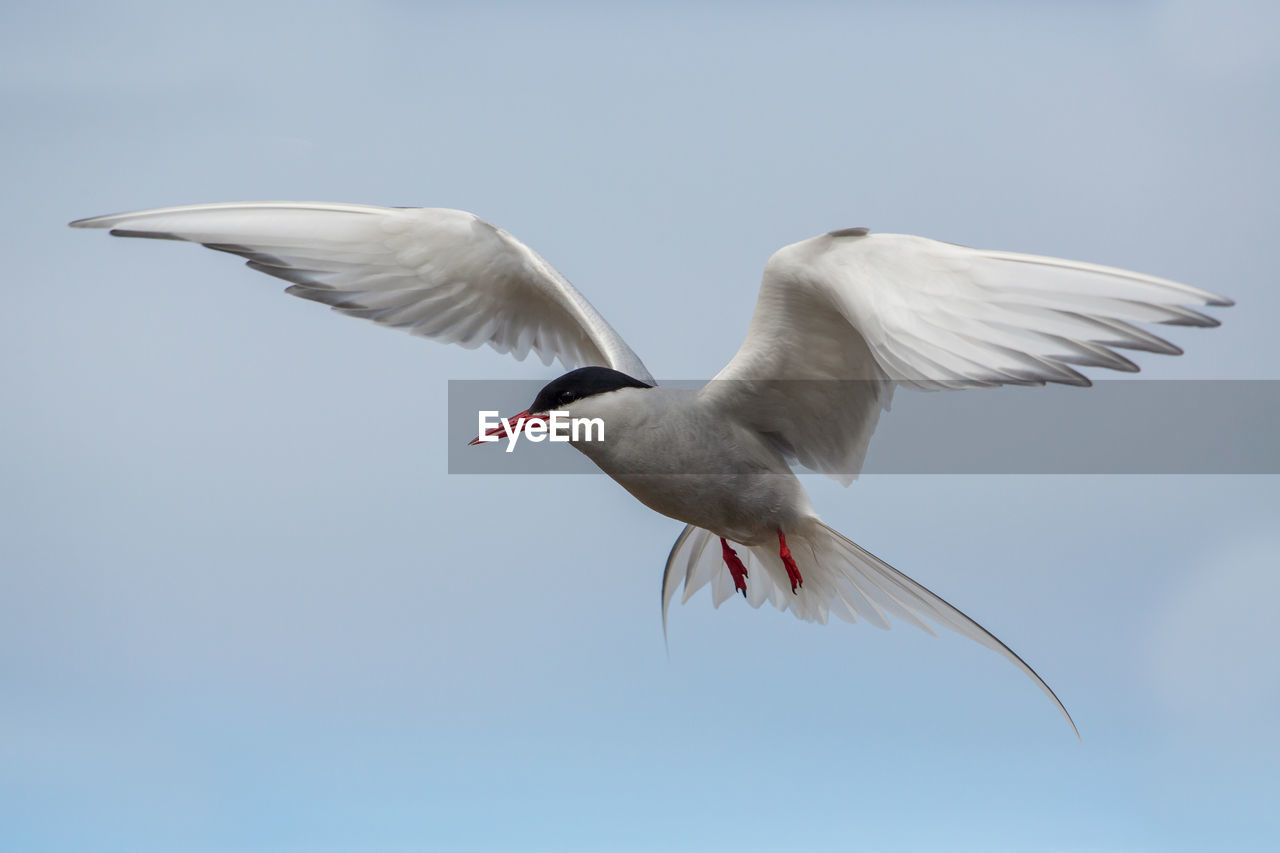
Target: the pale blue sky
pixel 244 607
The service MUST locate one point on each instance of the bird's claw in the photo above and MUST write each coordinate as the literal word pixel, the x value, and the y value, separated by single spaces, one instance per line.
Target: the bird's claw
pixel 793 571
pixel 736 568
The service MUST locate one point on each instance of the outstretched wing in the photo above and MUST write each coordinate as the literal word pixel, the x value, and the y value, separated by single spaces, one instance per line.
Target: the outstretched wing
pixel 442 274
pixel 868 311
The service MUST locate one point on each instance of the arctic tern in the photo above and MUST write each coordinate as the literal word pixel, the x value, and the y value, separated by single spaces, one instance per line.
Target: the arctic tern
pixel 840 321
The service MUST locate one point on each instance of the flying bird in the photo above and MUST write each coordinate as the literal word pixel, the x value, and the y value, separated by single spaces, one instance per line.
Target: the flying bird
pixel 841 320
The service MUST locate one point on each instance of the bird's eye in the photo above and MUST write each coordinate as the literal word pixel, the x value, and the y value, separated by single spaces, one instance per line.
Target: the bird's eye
pixel 567 396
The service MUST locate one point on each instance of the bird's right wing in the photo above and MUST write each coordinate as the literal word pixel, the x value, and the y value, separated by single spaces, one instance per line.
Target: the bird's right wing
pixel 843 317
pixel 442 274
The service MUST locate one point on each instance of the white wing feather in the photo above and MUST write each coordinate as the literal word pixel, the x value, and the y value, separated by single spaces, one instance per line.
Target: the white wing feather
pixel 442 274
pixel 877 310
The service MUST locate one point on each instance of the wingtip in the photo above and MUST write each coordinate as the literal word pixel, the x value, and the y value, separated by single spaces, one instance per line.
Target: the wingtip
pixel 148 235
pixel 110 220
pixel 106 221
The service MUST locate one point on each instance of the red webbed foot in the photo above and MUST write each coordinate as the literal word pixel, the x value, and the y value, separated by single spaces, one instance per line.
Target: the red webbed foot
pixel 736 568
pixel 793 571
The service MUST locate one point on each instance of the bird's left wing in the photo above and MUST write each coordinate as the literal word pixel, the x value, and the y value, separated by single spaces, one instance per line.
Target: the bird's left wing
pixel 844 317
pixel 442 274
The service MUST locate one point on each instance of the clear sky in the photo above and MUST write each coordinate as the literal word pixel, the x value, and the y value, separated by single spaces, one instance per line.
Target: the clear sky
pixel 243 605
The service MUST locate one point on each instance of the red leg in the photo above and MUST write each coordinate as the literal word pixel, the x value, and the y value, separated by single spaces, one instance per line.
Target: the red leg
pixel 736 568
pixel 793 571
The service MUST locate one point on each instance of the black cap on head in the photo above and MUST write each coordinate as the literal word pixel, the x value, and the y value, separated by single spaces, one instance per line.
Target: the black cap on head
pixel 581 383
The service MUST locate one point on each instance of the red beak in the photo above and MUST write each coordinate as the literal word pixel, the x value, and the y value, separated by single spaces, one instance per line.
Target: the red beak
pixel 517 423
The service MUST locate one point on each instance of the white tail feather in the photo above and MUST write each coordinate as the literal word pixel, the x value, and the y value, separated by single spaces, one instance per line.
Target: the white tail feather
pixel 840 578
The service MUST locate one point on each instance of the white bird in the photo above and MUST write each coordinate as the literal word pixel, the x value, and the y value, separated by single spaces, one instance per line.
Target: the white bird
pixel 841 319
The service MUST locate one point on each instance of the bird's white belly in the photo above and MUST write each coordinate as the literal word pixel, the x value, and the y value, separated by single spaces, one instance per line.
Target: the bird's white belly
pixel 676 460
pixel 750 509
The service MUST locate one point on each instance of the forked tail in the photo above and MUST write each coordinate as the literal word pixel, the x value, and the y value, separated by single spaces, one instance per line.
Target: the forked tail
pixel 840 578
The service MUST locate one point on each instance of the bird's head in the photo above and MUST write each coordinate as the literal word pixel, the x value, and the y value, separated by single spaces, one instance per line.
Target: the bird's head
pixel 561 393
